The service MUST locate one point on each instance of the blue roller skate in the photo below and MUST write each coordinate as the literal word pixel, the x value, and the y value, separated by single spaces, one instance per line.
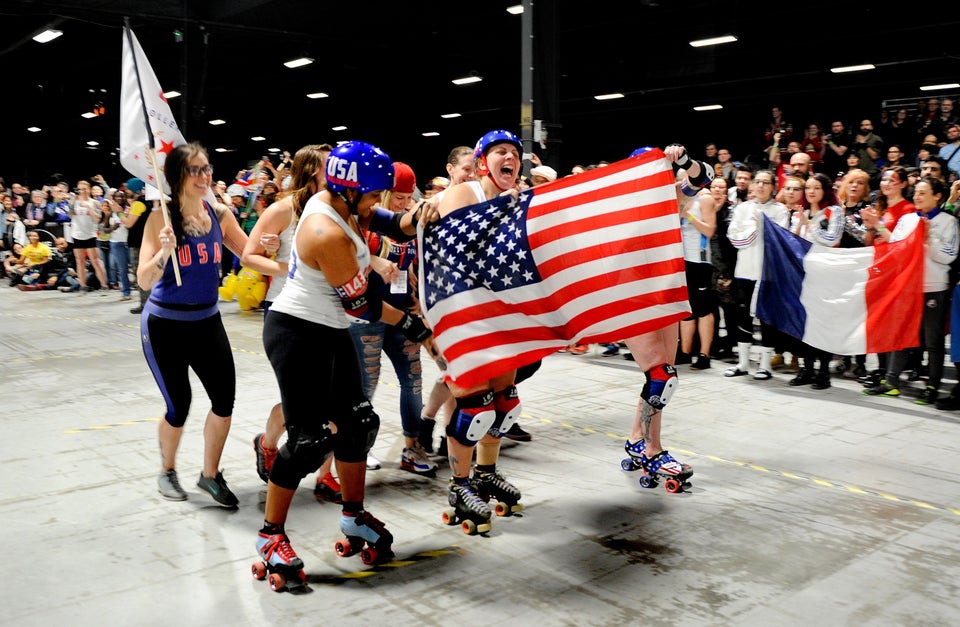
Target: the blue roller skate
pixel 661 465
pixel 280 561
pixel 365 528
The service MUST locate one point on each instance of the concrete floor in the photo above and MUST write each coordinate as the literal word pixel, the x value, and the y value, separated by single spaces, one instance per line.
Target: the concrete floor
pixel 824 508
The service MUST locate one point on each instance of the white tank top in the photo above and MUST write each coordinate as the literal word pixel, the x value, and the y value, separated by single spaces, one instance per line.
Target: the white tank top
pixel 283 256
pixel 696 245
pixel 307 294
pixel 86 215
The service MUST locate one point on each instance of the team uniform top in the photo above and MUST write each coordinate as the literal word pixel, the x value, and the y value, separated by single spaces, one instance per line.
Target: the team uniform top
pixel 199 259
pixel 307 294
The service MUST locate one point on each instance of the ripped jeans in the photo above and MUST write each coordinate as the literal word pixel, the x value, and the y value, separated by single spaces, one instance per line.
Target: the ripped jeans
pixel 371 340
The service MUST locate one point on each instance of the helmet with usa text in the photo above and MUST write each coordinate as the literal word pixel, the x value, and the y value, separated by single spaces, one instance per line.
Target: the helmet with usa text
pixel 640 151
pixel 495 137
pixel 359 166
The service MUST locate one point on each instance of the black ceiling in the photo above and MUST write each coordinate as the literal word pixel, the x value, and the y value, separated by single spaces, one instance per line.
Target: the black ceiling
pixel 387 68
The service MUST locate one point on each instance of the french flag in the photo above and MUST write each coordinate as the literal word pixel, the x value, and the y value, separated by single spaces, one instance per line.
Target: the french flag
pixel 846 301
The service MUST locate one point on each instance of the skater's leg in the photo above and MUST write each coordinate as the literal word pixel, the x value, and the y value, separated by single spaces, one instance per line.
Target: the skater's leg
pixel 215 432
pixel 274 428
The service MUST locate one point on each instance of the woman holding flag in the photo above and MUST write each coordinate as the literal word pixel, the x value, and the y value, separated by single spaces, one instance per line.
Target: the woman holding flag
pixel 180 326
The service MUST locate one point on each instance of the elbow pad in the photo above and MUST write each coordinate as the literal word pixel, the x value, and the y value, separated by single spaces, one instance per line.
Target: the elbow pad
pixel 413 328
pixel 693 184
pixel 361 298
pixel 387 223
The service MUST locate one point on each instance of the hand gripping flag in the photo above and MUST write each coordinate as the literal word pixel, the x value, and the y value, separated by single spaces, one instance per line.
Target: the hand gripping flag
pixel 143 106
pixel 592 258
pixel 846 301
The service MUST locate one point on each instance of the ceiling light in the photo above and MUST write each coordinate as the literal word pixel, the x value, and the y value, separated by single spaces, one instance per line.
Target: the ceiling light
pixel 466 80
pixel 93 143
pixel 298 62
pixel 612 96
pixel 273 150
pixel 318 94
pixel 516 9
pixel 724 39
pixel 88 115
pixel 258 138
pixel 431 134
pixel 33 129
pixel 48 35
pixel 338 128
pixel 220 150
pixel 853 68
pixel 449 116
pixel 217 122
pixel 173 93
pixel 708 107
pixel 939 87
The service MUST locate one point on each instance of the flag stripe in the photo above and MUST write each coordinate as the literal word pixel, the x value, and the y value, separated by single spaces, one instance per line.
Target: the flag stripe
pixel 598 255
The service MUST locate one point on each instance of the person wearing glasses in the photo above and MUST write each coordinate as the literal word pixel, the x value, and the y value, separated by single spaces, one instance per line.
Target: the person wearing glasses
pixel 746 234
pixel 180 326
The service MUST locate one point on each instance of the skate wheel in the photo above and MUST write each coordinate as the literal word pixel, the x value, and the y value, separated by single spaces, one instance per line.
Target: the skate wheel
pixel 368 556
pixel 517 507
pixel 484 527
pixel 627 465
pixel 672 486
pixel 259 570
pixel 502 509
pixel 449 517
pixel 469 527
pixel 277 582
pixel 647 482
pixel 343 548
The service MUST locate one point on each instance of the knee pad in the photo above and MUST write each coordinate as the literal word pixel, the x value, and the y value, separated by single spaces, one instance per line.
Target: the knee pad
pixel 355 437
pixel 507 405
pixel 475 416
pixel 661 383
pixel 300 455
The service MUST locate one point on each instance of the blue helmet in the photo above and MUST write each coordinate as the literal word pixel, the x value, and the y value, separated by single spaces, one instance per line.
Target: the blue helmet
pixel 495 137
pixel 640 151
pixel 359 166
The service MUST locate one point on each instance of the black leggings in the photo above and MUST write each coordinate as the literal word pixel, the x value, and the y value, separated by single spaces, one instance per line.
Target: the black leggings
pixel 173 347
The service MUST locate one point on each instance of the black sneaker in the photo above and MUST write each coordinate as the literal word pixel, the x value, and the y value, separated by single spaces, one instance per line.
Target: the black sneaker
pixel 517 434
pixel 948 403
pixel 700 362
pixel 217 487
pixel 137 310
pixel 927 397
pixel 610 351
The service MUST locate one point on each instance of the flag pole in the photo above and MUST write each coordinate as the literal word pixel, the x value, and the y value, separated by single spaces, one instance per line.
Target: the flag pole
pixel 150 154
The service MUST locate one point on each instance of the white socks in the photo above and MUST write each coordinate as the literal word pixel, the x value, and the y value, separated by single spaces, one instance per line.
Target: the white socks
pixel 743 356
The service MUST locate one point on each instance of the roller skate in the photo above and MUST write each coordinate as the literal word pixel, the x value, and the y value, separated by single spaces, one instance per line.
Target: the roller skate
pixel 364 528
pixel 265 457
pixel 660 465
pixel 469 509
pixel 328 489
pixel 492 485
pixel 279 560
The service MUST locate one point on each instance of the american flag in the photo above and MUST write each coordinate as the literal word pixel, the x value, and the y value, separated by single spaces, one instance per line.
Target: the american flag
pixel 596 257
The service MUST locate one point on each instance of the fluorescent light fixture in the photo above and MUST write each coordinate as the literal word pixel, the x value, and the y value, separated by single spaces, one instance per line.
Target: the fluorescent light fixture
pixel 612 96
pixel 449 116
pixel 48 35
pixel 298 62
pixel 708 107
pixel 431 134
pixel 90 114
pixel 338 128
pixel 93 143
pixel 317 94
pixel 220 150
pixel 466 80
pixel 853 68
pixel 173 93
pixel 258 138
pixel 516 9
pixel 33 129
pixel 713 41
pixel 217 122
pixel 939 87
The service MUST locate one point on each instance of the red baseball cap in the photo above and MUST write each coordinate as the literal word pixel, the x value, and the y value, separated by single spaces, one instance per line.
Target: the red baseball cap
pixel 404 180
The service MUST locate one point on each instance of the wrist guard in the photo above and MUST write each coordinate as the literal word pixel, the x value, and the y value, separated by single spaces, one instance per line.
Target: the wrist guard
pixel 413 328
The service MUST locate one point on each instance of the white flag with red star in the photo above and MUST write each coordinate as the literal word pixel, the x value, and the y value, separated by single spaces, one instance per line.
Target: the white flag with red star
pixel 139 97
